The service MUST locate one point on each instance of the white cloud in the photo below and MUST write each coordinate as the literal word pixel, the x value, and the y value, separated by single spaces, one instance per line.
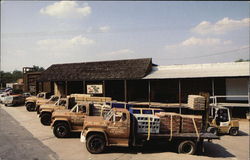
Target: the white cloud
pixel 104 28
pixel 120 52
pixel 56 44
pixel 193 41
pixel 220 27
pixel 66 9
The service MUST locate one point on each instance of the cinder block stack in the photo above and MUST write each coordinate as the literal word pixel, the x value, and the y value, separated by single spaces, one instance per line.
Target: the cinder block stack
pixel 196 102
pixel 143 123
pixel 187 125
pixel 165 122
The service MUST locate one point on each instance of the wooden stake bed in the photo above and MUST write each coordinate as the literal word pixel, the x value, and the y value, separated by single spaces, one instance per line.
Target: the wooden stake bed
pixel 180 136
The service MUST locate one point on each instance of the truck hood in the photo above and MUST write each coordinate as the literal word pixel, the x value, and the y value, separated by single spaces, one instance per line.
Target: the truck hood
pixel 95 121
pixel 31 98
pixel 42 101
pixel 61 113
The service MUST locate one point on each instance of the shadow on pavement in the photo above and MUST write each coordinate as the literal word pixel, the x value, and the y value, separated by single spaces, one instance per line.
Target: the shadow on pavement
pixel 211 150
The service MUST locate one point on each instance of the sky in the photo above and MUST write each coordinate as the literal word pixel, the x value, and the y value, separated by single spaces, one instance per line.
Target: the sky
pixel 50 32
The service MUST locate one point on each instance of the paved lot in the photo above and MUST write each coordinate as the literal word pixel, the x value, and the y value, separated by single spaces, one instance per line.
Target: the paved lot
pixel 35 141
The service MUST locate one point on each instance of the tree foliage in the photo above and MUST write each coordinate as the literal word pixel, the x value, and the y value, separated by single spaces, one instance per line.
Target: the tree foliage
pixel 242 60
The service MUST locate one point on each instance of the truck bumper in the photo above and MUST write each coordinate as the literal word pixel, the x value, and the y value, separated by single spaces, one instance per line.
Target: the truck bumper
pixel 83 138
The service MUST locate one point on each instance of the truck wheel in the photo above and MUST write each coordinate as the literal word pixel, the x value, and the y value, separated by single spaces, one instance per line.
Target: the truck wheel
pixel 46 119
pixel 213 130
pixel 61 130
pixel 234 131
pixel 187 147
pixel 95 144
pixel 30 107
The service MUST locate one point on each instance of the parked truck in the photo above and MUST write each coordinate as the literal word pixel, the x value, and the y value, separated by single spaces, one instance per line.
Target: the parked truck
pixel 33 102
pixel 45 111
pixel 119 128
pixel 66 121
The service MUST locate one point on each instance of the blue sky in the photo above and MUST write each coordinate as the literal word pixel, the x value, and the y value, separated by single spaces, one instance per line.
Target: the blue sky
pixel 44 33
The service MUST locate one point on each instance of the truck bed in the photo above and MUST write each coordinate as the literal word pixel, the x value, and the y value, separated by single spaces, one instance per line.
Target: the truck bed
pixel 202 136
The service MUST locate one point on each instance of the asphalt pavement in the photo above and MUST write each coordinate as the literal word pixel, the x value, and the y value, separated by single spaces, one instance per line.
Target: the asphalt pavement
pixel 17 143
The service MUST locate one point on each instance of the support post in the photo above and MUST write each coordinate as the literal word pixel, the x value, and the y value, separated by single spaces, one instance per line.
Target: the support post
pixel 125 91
pixel 103 84
pixel 179 96
pixel 149 92
pixel 66 88
pixel 84 87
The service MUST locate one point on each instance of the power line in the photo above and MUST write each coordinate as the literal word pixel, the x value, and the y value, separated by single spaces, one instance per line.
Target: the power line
pixel 207 55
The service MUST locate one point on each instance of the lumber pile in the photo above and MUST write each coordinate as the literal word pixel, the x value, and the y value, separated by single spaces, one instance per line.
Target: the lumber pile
pixel 196 102
pixel 180 123
pixel 189 123
pixel 165 122
pixel 88 97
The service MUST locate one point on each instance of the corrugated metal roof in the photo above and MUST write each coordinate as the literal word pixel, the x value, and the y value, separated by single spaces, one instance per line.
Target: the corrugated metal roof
pixel 233 69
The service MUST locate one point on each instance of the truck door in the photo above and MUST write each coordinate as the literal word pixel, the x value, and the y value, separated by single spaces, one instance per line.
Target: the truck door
pixel 77 117
pixel 118 125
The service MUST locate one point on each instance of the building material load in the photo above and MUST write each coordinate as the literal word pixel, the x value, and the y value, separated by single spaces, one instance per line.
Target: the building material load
pixel 191 124
pixel 147 121
pixel 80 97
pixel 196 102
pixel 100 109
pixel 168 122
pixel 88 97
pixel 98 99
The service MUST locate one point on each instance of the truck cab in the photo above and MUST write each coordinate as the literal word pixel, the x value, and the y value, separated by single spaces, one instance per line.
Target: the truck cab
pixel 111 130
pixel 31 101
pixel 66 121
pixel 45 111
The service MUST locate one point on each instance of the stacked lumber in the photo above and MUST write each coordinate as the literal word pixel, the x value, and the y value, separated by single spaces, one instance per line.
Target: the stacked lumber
pixel 100 109
pixel 98 99
pixel 80 97
pixel 196 102
pixel 165 122
pixel 187 124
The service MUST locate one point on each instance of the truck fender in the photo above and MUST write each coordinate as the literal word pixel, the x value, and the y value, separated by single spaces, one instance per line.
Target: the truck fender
pixel 57 120
pixel 45 111
pixel 97 131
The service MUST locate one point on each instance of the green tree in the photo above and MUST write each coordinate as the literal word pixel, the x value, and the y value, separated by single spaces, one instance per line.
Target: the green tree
pixel 38 69
pixel 242 60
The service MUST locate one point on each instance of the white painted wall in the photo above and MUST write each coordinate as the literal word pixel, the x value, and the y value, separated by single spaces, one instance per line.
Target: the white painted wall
pixel 237 86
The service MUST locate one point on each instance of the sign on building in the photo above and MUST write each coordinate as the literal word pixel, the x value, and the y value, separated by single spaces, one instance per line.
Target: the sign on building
pixel 94 89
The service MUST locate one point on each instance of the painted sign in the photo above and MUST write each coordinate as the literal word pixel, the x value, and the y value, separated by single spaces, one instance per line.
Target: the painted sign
pixel 94 89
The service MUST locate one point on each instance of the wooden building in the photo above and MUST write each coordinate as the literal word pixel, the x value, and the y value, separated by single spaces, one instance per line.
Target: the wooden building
pixel 139 80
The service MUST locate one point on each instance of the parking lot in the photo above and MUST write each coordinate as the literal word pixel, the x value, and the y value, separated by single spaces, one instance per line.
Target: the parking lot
pixel 45 146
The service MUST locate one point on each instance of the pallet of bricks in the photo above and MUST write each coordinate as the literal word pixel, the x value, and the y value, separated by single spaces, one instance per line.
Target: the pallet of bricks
pixel 173 123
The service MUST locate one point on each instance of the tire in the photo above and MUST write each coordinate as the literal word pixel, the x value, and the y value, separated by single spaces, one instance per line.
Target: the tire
pixel 187 147
pixel 213 130
pixel 30 107
pixel 234 131
pixel 95 144
pixel 61 130
pixel 45 119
